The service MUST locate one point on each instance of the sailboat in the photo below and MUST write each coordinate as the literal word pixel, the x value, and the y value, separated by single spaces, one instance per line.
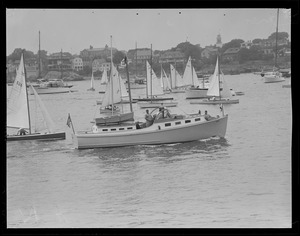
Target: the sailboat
pixel 164 80
pixel 275 75
pixel 18 110
pixel 165 85
pixel 113 95
pixel 92 88
pixel 103 81
pixel 214 90
pixel 154 90
pixel 176 80
pixel 196 90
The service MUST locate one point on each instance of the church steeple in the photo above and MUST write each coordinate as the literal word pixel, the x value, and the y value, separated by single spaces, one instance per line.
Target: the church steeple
pixel 219 41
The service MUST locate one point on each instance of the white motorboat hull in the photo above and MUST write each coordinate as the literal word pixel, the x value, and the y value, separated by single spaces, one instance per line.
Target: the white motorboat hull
pixel 189 129
pixel 222 101
pixel 271 77
pixel 196 93
pixel 49 90
pixel 156 104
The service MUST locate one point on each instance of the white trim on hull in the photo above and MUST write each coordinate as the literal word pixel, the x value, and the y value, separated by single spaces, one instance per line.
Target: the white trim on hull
pixel 189 129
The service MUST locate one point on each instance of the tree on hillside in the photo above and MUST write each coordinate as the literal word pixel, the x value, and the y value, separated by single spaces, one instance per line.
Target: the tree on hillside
pixel 281 35
pixel 16 55
pixel 256 41
pixel 235 43
pixel 118 57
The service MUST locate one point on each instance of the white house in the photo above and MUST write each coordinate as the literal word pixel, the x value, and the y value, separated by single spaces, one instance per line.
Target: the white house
pixel 77 64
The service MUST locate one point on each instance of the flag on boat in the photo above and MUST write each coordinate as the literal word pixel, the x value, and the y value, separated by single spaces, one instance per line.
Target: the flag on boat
pixel 69 121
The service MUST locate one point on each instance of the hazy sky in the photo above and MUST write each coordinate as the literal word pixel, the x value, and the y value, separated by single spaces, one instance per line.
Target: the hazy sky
pixel 76 29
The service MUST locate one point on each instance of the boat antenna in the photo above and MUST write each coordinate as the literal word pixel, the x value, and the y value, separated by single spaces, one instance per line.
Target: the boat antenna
pixel 276 38
pixel 28 110
pixel 129 90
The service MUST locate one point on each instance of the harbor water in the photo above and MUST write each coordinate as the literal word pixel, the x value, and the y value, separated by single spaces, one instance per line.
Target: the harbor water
pixel 242 180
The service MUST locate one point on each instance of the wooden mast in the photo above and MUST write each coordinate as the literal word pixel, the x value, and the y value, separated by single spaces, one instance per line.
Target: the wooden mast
pixel 276 38
pixel 129 91
pixel 39 75
pixel 151 74
pixel 28 110
pixel 111 80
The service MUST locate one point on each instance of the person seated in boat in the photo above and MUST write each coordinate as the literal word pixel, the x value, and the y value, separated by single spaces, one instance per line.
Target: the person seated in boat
pixel 207 116
pixel 163 113
pixel 149 119
pixel 22 131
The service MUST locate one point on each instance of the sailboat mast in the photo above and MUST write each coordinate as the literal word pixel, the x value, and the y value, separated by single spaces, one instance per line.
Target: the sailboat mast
pixel 219 77
pixel 111 80
pixel 276 38
pixel 175 75
pixel 129 91
pixel 28 110
pixel 39 75
pixel 61 64
pixel 135 59
pixel 151 74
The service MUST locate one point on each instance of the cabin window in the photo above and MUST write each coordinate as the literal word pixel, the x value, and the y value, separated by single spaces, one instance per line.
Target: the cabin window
pixel 167 124
pixel 105 130
pixel 113 129
pixel 178 123
pixel 197 119
pixel 121 129
pixel 188 121
pixel 129 128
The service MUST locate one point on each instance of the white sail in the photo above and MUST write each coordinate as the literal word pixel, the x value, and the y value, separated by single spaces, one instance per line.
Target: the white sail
pixel 49 122
pixel 153 83
pixel 113 92
pixel 225 93
pixel 17 108
pixel 104 77
pixel 189 75
pixel 214 85
pixel 176 79
pixel 166 81
pixel 92 81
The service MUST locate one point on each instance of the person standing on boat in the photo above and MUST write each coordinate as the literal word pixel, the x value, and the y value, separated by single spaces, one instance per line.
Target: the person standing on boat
pixel 148 118
pixel 22 131
pixel 207 116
